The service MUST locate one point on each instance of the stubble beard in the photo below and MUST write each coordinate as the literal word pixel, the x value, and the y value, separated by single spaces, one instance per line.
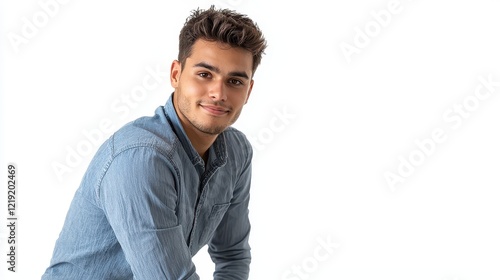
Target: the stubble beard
pixel 198 125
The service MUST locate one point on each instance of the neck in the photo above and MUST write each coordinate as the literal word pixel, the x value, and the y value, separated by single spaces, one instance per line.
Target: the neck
pixel 201 141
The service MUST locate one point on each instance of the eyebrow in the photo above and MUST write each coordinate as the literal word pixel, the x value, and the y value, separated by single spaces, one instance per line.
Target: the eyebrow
pixel 217 70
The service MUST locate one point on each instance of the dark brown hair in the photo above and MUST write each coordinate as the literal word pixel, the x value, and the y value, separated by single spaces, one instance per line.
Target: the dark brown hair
pixel 223 26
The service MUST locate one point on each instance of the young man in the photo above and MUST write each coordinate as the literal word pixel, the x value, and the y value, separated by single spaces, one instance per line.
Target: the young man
pixel 162 187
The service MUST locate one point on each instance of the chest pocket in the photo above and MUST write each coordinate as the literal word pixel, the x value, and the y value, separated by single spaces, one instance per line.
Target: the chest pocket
pixel 218 210
pixel 214 219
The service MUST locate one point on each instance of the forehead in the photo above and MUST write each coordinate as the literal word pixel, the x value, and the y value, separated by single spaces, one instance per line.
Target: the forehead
pixel 221 55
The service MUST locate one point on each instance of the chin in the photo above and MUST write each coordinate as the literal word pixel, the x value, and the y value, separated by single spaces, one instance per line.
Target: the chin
pixel 212 130
pixel 210 127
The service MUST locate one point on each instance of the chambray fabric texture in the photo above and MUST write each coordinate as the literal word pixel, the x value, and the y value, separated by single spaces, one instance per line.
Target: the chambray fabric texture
pixel 148 203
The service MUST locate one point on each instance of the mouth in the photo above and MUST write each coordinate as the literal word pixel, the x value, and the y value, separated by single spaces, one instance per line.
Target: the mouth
pixel 215 110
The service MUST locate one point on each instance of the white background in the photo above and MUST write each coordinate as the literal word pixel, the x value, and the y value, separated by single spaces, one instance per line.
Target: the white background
pixel 326 126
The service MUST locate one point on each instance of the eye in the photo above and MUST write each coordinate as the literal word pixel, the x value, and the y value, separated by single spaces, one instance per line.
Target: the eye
pixel 235 82
pixel 204 75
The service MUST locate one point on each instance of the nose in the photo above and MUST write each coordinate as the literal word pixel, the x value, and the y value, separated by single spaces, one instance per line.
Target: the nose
pixel 217 91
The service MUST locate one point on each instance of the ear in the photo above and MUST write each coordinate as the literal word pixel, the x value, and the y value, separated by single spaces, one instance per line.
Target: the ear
pixel 175 73
pixel 249 91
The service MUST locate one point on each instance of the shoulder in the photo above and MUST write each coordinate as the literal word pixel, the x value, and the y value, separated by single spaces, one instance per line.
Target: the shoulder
pixel 233 135
pixel 237 144
pixel 146 132
pixel 145 146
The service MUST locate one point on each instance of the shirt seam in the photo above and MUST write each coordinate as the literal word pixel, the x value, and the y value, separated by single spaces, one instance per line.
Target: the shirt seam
pixel 113 156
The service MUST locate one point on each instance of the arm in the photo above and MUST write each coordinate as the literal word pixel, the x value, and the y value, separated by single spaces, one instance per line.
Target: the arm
pixel 229 248
pixel 138 195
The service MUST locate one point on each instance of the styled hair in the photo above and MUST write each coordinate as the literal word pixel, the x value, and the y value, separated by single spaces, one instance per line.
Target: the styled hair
pixel 225 26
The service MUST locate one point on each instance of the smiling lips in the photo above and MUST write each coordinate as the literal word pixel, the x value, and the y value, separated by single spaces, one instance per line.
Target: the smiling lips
pixel 215 110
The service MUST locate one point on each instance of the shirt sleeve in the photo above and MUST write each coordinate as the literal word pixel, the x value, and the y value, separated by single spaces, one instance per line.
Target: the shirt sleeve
pixel 229 247
pixel 138 196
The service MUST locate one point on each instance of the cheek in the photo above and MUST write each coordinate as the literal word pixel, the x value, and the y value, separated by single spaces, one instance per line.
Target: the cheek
pixel 241 98
pixel 192 88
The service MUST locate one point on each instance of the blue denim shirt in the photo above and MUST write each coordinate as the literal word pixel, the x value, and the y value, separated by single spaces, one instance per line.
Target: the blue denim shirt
pixel 148 203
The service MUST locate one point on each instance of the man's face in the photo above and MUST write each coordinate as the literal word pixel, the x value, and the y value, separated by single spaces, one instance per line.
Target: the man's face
pixel 214 84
